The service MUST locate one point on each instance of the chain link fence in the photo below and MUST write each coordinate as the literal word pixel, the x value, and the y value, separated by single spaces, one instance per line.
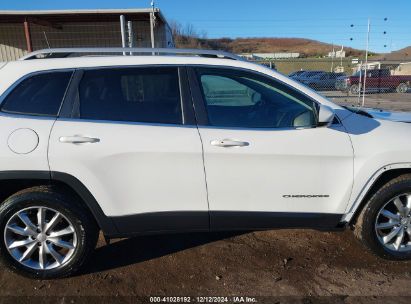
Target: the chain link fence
pixel 101 33
pixel 350 82
pixel 343 80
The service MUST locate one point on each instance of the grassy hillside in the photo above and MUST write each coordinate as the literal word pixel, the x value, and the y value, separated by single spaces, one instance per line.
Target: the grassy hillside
pixel 307 47
pixel 403 55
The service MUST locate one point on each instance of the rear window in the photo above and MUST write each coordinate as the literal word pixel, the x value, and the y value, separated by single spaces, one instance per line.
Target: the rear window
pixel 149 95
pixel 38 95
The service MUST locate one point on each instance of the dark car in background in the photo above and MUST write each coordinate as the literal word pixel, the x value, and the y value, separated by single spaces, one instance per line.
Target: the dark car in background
pixel 322 81
pixel 296 73
pixel 302 77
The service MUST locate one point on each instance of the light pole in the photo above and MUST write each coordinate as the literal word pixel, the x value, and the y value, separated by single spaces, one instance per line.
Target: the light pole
pixel 366 61
pixel 152 24
pixel 362 84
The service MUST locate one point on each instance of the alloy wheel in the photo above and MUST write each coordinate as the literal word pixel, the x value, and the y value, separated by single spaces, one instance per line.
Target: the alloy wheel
pixel 40 238
pixel 393 224
pixel 402 88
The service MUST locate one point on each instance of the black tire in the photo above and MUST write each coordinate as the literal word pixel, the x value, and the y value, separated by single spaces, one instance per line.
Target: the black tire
pixel 354 89
pixel 82 221
pixel 402 88
pixel 364 227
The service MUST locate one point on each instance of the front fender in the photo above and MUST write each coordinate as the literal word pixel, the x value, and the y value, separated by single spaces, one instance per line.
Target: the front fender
pixel 358 197
pixel 379 146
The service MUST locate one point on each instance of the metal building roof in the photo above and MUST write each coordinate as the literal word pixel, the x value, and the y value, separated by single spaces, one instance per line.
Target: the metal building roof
pixel 7 16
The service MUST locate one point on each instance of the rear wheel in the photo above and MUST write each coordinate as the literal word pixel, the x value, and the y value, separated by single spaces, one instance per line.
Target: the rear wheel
pixel 402 88
pixel 354 89
pixel 384 225
pixel 45 233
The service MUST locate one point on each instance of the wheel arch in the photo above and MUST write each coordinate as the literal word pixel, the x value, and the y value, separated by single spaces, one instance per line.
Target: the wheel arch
pixel 380 178
pixel 14 181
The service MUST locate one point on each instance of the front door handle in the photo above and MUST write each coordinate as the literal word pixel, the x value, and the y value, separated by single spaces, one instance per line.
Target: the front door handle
pixel 227 143
pixel 77 139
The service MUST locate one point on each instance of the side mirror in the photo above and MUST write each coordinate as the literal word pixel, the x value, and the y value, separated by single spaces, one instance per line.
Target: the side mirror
pixel 325 115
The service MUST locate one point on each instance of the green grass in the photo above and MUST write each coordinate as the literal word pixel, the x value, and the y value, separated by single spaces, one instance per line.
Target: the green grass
pixel 288 66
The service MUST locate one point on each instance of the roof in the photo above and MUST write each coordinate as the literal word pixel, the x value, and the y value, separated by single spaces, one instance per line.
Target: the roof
pixel 7 16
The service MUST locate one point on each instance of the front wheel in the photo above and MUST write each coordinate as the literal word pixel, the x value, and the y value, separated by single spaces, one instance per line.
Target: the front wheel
pixel 46 234
pixel 384 224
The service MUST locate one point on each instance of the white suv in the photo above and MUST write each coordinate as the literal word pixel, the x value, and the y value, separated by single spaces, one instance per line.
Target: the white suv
pixel 169 143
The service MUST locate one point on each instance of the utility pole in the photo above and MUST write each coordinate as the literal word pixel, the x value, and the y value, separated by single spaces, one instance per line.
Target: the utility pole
pixel 130 35
pixel 152 23
pixel 360 85
pixel 366 61
pixel 123 32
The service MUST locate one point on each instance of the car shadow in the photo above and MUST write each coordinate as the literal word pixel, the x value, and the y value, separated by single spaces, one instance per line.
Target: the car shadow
pixel 144 248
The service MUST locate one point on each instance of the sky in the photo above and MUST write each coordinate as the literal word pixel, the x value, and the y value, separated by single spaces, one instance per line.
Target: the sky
pixel 342 22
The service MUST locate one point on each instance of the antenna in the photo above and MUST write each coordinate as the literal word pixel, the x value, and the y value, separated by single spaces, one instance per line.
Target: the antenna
pixel 47 41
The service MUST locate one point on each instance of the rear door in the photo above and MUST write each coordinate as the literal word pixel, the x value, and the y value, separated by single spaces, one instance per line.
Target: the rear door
pixel 129 136
pixel 373 81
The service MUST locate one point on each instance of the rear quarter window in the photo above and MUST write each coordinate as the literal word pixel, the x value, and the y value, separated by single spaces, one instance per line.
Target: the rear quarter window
pixel 40 94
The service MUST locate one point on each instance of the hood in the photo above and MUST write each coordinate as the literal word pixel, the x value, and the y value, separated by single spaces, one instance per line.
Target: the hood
pixel 388 115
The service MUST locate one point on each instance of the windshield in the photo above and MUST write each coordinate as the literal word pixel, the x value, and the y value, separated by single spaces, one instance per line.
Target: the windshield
pixel 357 74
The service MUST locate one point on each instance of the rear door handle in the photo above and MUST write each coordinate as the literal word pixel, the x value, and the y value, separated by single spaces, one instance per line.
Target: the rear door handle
pixel 226 143
pixel 76 139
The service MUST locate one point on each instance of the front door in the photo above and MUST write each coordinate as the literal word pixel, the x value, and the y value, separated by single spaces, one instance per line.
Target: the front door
pixel 267 163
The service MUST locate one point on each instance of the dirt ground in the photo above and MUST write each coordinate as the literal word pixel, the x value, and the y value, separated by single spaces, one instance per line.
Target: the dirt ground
pixel 282 263
pixel 281 266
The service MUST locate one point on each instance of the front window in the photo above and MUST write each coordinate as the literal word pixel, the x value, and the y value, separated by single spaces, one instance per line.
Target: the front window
pixel 236 98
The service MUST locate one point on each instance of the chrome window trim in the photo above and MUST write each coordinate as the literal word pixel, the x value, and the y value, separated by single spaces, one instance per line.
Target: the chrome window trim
pixel 119 122
pixel 49 117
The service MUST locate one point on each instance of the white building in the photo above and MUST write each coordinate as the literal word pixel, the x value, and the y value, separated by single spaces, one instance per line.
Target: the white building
pixel 267 56
pixel 403 69
pixel 336 54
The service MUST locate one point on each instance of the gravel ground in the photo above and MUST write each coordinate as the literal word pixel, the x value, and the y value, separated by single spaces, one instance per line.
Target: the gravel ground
pixel 388 101
pixel 279 266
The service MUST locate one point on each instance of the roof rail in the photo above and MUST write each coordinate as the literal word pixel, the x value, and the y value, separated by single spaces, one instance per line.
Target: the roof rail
pixel 71 52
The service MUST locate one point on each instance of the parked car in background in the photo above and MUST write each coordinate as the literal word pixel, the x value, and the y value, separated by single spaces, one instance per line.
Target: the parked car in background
pixel 379 80
pixel 322 81
pixel 296 73
pixel 307 75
